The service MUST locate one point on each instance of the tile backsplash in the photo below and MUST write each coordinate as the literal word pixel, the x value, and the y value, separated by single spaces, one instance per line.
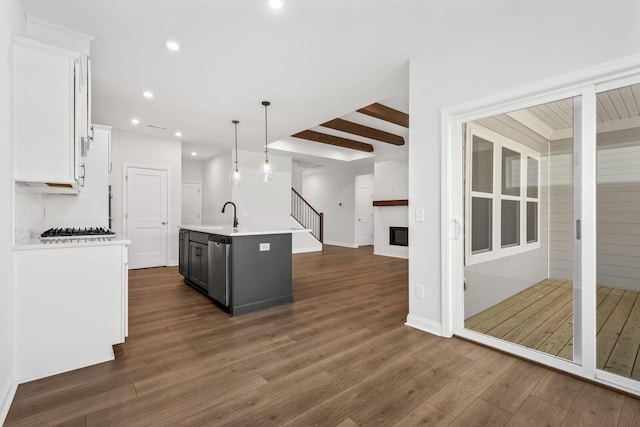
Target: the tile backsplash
pixel 30 215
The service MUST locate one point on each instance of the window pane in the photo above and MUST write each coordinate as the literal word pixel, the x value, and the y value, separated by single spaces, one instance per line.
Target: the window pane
pixel 482 165
pixel 532 177
pixel 481 218
pixel 510 172
pixel 532 222
pixel 510 223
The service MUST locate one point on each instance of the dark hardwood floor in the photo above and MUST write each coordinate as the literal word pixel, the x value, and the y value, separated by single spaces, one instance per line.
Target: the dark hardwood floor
pixel 340 355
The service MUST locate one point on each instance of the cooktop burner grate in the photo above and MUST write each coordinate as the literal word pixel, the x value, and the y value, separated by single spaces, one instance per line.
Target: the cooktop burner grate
pixel 77 232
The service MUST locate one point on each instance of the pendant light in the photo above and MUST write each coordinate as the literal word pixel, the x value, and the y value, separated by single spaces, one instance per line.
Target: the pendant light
pixel 266 169
pixel 234 176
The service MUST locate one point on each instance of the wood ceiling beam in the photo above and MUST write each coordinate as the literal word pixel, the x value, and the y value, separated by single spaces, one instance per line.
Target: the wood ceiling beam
pixel 324 138
pixel 387 114
pixel 365 131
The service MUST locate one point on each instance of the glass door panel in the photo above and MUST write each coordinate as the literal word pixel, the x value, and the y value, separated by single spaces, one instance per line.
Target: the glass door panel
pixel 618 231
pixel 519 227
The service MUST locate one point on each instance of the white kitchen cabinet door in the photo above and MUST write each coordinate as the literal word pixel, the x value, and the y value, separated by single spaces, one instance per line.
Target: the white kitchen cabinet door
pixel 71 308
pixel 45 112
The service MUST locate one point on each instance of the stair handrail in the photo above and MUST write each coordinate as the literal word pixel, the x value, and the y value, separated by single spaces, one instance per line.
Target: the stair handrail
pixel 311 218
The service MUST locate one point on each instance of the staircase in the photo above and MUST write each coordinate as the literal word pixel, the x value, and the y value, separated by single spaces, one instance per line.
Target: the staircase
pixel 306 215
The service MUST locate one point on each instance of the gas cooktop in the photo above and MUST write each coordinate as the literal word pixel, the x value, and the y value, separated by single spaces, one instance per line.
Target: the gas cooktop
pixel 88 232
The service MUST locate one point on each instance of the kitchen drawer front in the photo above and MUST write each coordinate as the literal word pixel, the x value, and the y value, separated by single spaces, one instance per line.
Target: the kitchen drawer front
pixel 202 238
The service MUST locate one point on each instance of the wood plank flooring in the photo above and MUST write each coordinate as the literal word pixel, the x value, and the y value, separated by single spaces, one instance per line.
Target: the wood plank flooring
pixel 339 356
pixel 541 317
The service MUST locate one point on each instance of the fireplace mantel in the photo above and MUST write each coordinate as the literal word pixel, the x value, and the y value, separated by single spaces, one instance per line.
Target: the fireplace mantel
pixel 403 202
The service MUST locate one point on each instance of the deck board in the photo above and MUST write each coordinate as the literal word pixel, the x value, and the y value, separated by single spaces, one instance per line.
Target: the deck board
pixel 541 317
pixel 612 328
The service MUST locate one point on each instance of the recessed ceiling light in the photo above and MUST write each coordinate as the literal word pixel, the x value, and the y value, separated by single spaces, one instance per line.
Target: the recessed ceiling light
pixel 173 45
pixel 276 4
pixel 135 121
pixel 193 153
pixel 178 133
pixel 147 94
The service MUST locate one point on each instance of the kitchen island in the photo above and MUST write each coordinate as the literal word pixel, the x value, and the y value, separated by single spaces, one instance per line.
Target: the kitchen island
pixel 242 269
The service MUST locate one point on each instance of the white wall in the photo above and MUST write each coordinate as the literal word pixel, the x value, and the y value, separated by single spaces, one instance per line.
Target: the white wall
pixel 331 190
pixel 216 188
pixel 134 149
pixel 259 203
pixel 11 21
pixel 474 58
pixel 192 170
pixel 391 183
pixel 618 206
pixel 561 209
pixel 297 173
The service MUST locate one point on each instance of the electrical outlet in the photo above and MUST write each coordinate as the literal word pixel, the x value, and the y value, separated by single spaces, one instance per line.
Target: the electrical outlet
pixel 419 291
pixel 264 247
pixel 419 214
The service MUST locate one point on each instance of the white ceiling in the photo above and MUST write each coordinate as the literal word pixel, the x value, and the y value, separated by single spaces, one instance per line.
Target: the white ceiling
pixel 314 60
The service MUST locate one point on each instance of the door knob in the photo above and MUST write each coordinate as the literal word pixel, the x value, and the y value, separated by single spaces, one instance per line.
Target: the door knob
pixel 164 223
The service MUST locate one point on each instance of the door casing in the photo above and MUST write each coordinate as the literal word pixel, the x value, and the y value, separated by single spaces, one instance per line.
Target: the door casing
pixel 586 84
pixel 125 185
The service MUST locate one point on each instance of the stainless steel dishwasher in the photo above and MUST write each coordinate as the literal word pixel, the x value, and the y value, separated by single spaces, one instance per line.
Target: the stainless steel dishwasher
pixel 219 268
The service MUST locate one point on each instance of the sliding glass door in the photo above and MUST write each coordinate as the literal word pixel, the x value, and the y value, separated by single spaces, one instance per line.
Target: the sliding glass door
pixel 618 232
pixel 519 223
pixel 541 249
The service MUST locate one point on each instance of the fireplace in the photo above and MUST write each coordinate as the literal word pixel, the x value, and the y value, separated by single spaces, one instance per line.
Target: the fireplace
pixel 399 236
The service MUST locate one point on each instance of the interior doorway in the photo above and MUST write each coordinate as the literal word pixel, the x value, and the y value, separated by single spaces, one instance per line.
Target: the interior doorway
pixel 364 210
pixel 145 216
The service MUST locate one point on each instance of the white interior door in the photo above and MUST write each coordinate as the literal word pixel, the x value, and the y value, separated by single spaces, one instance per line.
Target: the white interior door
pixel 146 216
pixel 191 203
pixel 364 215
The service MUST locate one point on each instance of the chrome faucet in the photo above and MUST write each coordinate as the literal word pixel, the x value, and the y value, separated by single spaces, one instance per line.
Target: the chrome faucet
pixel 235 217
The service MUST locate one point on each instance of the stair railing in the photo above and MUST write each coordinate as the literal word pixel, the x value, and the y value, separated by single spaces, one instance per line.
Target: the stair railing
pixel 306 215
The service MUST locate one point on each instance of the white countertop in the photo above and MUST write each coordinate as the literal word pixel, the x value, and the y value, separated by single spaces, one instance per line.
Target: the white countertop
pixel 72 242
pixel 242 231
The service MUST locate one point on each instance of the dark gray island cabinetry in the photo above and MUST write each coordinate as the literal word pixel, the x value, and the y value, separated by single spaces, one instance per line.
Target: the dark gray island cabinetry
pixel 242 270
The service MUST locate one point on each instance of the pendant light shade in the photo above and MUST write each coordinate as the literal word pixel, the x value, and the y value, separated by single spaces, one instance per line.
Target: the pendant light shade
pixel 265 172
pixel 234 176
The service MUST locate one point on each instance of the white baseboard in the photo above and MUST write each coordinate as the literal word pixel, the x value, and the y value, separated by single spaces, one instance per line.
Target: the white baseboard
pixel 106 357
pixel 391 255
pixel 8 392
pixel 344 245
pixel 423 324
pixel 172 263
pixel 306 250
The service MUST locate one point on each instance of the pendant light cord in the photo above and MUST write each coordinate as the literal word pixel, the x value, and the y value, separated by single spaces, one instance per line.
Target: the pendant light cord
pixel 235 123
pixel 266 149
pixel 236 126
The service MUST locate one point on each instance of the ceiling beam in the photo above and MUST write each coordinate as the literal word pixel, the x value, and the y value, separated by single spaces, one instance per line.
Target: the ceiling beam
pixel 324 138
pixel 365 131
pixel 385 113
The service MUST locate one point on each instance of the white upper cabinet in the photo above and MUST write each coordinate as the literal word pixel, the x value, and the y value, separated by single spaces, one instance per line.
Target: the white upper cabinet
pixel 50 113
